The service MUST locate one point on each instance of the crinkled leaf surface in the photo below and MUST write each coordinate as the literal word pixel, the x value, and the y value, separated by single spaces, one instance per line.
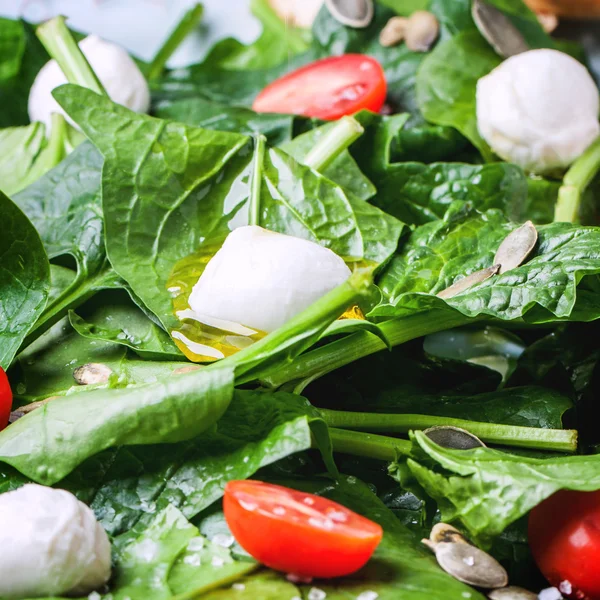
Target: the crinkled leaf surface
pixel 487 490
pixel 174 186
pixel 24 279
pixel 441 253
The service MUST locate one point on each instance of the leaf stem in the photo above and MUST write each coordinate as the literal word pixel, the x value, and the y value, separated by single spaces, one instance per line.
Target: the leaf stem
pixel 335 141
pixel 368 445
pixel 186 25
pixel 560 440
pixel 575 181
pixel 62 47
pixel 256 183
pixel 345 350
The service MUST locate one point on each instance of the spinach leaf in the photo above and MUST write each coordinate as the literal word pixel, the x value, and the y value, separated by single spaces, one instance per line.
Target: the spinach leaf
pixel 201 178
pixel 25 155
pixel 447 80
pixel 440 253
pixel 126 485
pixel 276 44
pixel 199 112
pixel 143 566
pixel 22 57
pixel 487 489
pixel 45 368
pixel 24 279
pixel 169 410
pixel 205 564
pixel 401 568
pixel 343 170
pixel 112 317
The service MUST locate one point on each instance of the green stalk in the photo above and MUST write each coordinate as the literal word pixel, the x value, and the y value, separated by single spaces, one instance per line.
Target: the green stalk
pixel 368 445
pixel 62 47
pixel 559 440
pixel 335 141
pixel 358 345
pixel 300 332
pixel 256 183
pixel 575 182
pixel 187 24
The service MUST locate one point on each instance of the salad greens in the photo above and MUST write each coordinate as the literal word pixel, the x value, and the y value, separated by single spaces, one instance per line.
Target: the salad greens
pixel 104 225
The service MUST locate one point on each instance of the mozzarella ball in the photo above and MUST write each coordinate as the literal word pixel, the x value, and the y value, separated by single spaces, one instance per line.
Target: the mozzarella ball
pixel 117 71
pixel 539 110
pixel 261 279
pixel 50 544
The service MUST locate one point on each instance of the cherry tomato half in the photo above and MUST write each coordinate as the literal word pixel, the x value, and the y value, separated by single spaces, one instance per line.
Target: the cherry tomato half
pixel 298 533
pixel 327 89
pixel 564 535
pixel 5 399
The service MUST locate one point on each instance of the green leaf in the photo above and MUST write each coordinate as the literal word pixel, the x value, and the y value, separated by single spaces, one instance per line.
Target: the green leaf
pixel 343 170
pixel 170 410
pixel 205 565
pixel 143 566
pixel 447 80
pixel 201 178
pixel 277 43
pixel 24 279
pixel 440 253
pixel 487 490
pixel 22 58
pixel 199 112
pixel 257 429
pixel 114 318
pixel 401 568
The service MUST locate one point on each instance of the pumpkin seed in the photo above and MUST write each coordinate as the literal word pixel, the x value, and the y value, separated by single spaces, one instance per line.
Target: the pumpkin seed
pixel 27 408
pixel 442 532
pixel 469 281
pixel 454 438
pixel 548 21
pixel 422 29
pixel 512 593
pixel 92 373
pixel 497 29
pixel 393 32
pixel 516 247
pixel 470 565
pixel 352 13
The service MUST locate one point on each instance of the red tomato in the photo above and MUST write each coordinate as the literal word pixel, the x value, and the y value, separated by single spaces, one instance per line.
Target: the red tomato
pixel 298 533
pixel 564 535
pixel 5 399
pixel 327 89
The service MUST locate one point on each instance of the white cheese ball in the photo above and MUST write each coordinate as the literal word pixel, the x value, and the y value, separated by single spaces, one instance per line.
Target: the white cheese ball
pixel 261 279
pixel 538 109
pixel 50 544
pixel 116 70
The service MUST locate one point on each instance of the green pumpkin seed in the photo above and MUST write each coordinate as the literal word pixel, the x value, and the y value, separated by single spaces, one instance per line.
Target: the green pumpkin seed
pixel 92 373
pixel 352 13
pixel 453 437
pixel 512 593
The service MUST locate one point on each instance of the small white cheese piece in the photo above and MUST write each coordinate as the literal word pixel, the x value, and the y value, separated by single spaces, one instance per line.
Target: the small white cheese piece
pixel 261 279
pixel 116 70
pixel 50 544
pixel 538 109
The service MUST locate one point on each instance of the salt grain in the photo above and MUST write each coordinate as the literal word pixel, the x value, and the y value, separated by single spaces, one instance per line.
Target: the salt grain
pixel 316 594
pixel 550 594
pixel 368 595
pixel 224 540
pixel 240 587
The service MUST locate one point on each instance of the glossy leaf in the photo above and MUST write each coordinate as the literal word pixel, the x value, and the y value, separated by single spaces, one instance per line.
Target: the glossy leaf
pixel 440 253
pixel 486 489
pixel 24 279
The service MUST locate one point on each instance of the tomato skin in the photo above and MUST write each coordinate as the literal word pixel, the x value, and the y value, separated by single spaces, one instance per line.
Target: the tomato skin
pixel 284 530
pixel 564 535
pixel 327 89
pixel 5 399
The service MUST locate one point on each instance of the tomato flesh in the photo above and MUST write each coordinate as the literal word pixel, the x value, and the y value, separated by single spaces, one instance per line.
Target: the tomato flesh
pixel 298 533
pixel 564 535
pixel 327 89
pixel 5 399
